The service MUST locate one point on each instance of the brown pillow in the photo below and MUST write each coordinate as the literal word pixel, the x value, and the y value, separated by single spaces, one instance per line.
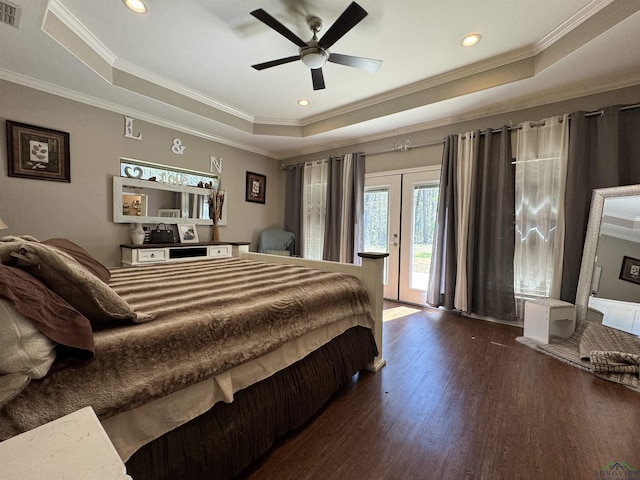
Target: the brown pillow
pixel 62 274
pixel 83 257
pixel 53 316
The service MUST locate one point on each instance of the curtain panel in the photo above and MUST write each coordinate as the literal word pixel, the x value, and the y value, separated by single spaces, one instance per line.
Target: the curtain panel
pixel 325 208
pixel 314 201
pixel 476 200
pixel 344 221
pixel 604 151
pixel 293 211
pixel 442 274
pixel 540 184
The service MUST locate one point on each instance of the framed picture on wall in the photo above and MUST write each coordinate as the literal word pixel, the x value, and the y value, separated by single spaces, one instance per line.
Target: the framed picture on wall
pixel 37 152
pixel 188 233
pixel 630 270
pixel 256 186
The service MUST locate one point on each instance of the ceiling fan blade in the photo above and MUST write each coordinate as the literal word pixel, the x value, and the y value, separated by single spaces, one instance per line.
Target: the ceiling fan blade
pixel 275 63
pixel 268 20
pixel 367 64
pixel 318 78
pixel 345 22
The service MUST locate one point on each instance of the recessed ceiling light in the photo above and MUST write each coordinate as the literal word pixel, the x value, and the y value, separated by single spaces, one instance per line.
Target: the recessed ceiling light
pixel 470 40
pixel 303 102
pixel 136 5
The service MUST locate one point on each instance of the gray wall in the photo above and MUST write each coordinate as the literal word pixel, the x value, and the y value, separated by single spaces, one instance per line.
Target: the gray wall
pixel 432 155
pixel 611 251
pixel 82 210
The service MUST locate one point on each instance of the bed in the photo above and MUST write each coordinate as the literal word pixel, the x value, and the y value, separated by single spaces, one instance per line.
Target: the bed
pixel 194 368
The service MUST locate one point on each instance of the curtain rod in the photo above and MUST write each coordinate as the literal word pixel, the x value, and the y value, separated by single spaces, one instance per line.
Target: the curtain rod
pixel 409 146
pixel 403 148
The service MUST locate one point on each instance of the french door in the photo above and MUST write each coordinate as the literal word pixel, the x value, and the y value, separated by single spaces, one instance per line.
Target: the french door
pixel 400 214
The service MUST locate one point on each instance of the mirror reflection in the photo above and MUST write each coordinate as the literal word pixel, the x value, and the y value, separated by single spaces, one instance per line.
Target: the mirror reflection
pixel 140 201
pixel 148 192
pixel 143 201
pixel 615 285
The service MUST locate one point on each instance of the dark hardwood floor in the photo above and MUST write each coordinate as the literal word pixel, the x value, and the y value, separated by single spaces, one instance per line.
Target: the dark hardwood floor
pixel 461 399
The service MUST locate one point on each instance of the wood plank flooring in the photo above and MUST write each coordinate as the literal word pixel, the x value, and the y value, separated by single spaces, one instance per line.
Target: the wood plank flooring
pixel 461 399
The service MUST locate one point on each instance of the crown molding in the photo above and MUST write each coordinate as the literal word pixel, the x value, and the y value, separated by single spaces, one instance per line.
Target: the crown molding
pixel 80 30
pixel 377 106
pixel 36 84
pixel 571 24
pixel 181 89
pixel 429 83
pixel 524 104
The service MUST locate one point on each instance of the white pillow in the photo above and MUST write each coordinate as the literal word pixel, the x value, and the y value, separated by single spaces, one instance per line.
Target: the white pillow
pixel 23 349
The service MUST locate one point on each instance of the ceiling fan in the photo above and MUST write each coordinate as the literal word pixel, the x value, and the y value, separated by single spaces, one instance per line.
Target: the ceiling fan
pixel 315 53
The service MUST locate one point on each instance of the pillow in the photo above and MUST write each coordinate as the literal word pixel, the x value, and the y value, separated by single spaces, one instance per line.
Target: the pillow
pixel 83 290
pixel 46 311
pixel 11 385
pixel 24 349
pixel 83 257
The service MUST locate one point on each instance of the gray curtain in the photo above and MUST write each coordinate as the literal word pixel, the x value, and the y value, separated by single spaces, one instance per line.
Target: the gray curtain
pixel 338 228
pixel 442 279
pixel 604 151
pixel 491 230
pixel 293 208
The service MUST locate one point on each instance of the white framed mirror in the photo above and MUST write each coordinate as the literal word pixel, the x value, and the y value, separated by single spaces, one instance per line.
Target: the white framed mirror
pixel 147 192
pixel 144 201
pixel 613 234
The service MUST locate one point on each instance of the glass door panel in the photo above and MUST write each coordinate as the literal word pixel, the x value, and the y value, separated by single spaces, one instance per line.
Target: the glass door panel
pixel 419 207
pixel 382 225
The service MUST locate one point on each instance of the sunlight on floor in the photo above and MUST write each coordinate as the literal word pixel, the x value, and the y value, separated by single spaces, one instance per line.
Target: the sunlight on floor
pixel 398 312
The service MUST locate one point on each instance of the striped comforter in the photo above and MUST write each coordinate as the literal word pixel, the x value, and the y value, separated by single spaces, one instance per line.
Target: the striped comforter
pixel 211 315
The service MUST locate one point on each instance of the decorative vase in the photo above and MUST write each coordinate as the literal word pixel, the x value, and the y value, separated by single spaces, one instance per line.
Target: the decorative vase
pixel 137 234
pixel 216 201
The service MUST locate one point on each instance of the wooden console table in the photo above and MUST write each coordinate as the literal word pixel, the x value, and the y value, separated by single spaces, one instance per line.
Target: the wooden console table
pixel 177 252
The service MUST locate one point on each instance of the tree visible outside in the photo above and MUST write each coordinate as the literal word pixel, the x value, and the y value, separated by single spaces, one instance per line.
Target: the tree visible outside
pixel 376 235
pixel 425 208
pixel 376 208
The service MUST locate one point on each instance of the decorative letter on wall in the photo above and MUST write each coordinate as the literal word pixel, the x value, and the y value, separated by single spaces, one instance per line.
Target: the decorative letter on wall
pixel 128 129
pixel 216 163
pixel 177 146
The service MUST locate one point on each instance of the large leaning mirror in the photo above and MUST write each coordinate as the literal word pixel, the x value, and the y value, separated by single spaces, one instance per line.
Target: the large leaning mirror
pixel 609 284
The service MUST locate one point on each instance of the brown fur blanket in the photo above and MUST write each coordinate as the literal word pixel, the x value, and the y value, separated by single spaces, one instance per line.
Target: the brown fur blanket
pixel 210 316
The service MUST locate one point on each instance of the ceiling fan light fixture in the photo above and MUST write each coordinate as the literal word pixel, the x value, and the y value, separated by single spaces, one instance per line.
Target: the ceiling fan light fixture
pixel 470 40
pixel 314 57
pixel 137 6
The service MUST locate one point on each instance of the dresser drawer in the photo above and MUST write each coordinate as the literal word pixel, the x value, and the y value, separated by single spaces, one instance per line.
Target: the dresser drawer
pixel 152 255
pixel 219 251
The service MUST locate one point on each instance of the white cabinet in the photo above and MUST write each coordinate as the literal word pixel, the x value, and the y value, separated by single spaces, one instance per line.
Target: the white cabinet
pixel 149 253
pixel 546 318
pixel 621 315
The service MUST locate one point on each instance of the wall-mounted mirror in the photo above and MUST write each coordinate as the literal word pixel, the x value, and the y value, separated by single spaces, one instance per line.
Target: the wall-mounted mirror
pixel 152 193
pixel 609 284
pixel 143 201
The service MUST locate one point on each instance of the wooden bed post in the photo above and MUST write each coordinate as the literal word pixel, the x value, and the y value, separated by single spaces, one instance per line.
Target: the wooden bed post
pixel 372 278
